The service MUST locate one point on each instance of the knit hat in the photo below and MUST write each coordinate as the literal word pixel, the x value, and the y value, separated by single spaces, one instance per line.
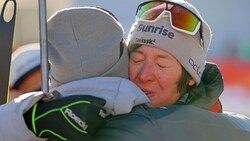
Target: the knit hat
pixel 187 49
pixel 85 42
pixel 24 59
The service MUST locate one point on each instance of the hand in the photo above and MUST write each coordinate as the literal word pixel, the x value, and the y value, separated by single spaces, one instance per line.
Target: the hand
pixel 70 118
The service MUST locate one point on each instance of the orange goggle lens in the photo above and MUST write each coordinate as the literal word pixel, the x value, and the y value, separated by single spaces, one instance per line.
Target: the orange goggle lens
pixel 181 18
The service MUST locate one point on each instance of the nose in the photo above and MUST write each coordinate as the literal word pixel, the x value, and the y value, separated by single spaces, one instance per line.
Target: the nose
pixel 146 72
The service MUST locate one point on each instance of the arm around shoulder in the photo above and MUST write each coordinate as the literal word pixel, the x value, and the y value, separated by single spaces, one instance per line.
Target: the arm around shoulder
pixel 12 116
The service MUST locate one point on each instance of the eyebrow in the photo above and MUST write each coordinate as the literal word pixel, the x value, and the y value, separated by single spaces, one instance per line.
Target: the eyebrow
pixel 163 56
pixel 137 51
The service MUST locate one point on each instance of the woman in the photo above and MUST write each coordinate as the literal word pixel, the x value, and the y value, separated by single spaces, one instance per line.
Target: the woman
pixel 168 43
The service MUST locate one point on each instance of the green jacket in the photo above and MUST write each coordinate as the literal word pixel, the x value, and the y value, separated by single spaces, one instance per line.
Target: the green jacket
pixel 175 123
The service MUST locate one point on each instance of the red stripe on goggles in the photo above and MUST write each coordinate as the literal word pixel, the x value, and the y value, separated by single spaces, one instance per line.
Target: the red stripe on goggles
pixel 181 19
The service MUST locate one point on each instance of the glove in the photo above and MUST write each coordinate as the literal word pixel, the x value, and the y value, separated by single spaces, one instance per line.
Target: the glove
pixel 209 89
pixel 75 117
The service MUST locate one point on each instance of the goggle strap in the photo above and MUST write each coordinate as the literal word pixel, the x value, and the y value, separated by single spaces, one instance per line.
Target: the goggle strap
pixel 201 36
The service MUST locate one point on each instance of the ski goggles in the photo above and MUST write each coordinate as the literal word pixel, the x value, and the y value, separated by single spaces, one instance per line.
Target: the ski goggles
pixel 181 19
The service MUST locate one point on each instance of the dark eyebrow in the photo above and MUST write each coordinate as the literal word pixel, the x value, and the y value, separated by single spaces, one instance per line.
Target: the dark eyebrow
pixel 163 56
pixel 137 51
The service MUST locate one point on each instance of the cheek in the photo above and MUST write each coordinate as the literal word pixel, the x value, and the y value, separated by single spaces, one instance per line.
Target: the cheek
pixel 169 80
pixel 169 93
pixel 170 76
pixel 132 71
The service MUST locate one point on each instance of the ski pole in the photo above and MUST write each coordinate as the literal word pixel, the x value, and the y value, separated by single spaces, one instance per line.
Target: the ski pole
pixel 6 42
pixel 43 45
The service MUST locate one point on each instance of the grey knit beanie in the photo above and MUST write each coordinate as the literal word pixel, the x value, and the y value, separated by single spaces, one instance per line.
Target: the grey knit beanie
pixel 187 49
pixel 85 42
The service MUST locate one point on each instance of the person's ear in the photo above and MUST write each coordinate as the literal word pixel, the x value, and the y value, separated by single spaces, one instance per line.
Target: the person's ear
pixel 191 82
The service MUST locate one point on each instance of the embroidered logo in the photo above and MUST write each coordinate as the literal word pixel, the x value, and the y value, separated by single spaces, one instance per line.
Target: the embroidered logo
pixel 145 41
pixel 155 29
pixel 73 116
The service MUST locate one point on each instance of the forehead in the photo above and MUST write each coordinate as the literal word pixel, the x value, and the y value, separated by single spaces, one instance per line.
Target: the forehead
pixel 152 51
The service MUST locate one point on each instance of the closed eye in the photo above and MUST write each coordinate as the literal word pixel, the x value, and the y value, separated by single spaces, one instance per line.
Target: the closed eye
pixel 137 60
pixel 137 57
pixel 161 66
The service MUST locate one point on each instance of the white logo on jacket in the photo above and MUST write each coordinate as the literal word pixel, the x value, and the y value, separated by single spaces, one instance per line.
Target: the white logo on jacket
pixel 70 113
